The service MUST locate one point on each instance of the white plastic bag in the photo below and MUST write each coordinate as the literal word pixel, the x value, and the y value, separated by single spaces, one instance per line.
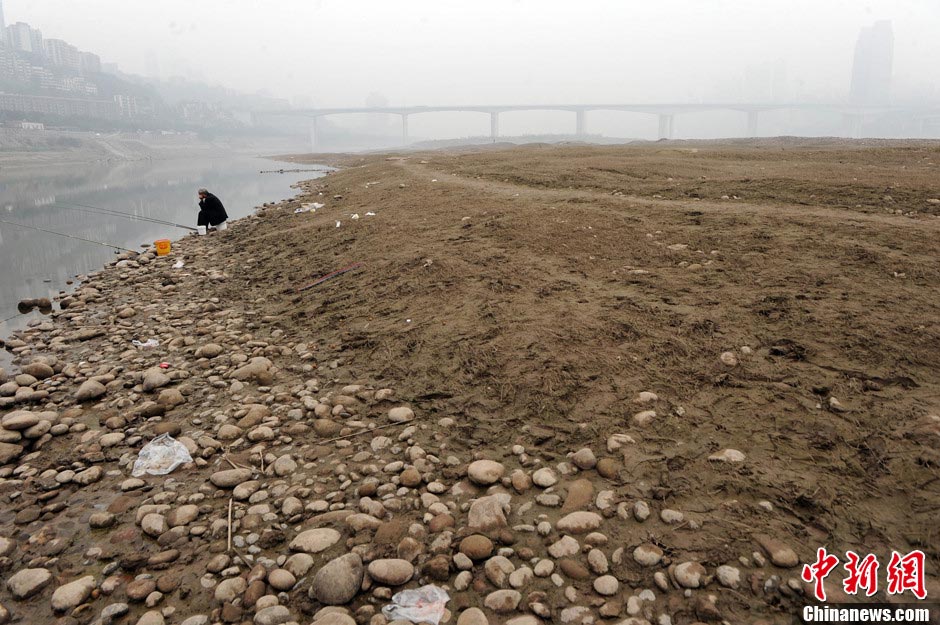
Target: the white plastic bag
pixel 160 456
pixel 148 344
pixel 422 605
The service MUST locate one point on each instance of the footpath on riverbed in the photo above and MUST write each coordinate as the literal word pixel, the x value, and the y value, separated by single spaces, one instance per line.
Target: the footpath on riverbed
pixel 557 404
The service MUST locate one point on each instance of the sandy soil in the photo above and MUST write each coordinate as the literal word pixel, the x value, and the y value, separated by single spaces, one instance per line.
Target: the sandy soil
pixel 534 292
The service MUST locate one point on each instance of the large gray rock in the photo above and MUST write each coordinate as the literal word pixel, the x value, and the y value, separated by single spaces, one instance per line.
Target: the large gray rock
pixel 272 615
pixel 154 379
pixel 230 588
pixel 391 571
pixel 73 594
pixel 38 370
pixel 89 390
pixel 472 616
pixel 28 582
pixel 339 581
pixel 486 513
pixel 19 420
pixel 580 522
pixel 315 540
pixel 9 452
pixel 230 478
pixel 153 617
pixel 257 369
pixel 485 472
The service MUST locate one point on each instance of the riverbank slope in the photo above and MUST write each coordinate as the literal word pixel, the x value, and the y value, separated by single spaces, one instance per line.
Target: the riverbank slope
pixel 567 383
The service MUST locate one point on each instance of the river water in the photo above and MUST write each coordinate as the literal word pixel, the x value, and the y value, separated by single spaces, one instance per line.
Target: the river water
pixel 37 264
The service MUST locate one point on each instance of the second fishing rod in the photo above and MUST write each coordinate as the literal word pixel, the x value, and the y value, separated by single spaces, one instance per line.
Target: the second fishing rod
pixel 99 210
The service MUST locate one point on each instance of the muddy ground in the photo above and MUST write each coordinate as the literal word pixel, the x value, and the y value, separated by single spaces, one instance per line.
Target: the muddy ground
pixel 630 384
pixel 533 292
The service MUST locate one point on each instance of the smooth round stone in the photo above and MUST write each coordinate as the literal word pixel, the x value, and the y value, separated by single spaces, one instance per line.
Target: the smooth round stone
pixel 584 459
pixel 401 414
pixel 281 579
pixel 648 555
pixel 485 472
pixel 338 581
pixel 230 588
pixel 579 522
pixel 606 585
pixel 27 582
pixel 689 574
pixel 391 571
pixel 544 477
pixel 476 547
pixel 315 540
pixel 71 595
pixel 472 616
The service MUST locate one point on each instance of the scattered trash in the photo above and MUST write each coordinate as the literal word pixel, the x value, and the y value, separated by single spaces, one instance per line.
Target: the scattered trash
pixel 309 207
pixel 370 214
pixel 179 264
pixel 421 605
pixel 355 216
pixel 164 365
pixel 148 344
pixel 160 456
pixel 338 223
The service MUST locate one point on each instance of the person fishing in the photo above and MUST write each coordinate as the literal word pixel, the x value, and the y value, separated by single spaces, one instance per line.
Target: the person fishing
pixel 211 212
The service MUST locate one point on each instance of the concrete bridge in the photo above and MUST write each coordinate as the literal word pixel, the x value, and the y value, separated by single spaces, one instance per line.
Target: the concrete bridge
pixel 853 115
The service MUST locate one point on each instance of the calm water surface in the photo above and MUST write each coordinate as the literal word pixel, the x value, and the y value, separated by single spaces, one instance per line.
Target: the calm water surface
pixel 36 264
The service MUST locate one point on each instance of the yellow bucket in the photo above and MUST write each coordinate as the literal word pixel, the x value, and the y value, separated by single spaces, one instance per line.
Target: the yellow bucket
pixel 163 247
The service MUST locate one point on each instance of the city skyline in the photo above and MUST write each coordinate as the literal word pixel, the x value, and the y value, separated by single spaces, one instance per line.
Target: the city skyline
pixel 505 52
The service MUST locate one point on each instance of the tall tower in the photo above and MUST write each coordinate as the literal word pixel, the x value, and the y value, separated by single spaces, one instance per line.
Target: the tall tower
pixel 3 25
pixel 871 72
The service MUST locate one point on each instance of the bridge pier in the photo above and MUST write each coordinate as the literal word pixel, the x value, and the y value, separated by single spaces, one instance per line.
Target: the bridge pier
pixel 853 125
pixel 581 122
pixel 314 134
pixel 404 128
pixel 752 123
pixel 665 125
pixel 494 125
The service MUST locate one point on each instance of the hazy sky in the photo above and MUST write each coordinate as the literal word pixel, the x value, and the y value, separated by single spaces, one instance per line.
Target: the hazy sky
pixel 336 52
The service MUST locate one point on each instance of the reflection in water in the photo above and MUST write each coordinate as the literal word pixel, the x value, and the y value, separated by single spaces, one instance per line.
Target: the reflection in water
pixel 36 264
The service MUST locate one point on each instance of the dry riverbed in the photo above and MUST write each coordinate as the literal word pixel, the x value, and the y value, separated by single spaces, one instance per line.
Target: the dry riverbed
pixel 569 384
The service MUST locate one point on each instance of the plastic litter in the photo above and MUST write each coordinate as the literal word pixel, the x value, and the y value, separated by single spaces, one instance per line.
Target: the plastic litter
pixel 148 344
pixel 370 214
pixel 160 456
pixel 309 207
pixel 179 264
pixel 355 216
pixel 421 605
pixel 338 223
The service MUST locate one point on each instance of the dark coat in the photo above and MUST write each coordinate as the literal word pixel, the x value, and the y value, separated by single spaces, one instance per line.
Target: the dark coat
pixel 211 211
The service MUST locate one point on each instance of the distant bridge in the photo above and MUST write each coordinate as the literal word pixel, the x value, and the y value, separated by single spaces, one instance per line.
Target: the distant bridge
pixel 854 115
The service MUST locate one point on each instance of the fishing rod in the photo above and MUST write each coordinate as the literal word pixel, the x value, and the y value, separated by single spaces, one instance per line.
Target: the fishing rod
pixel 70 236
pixel 87 208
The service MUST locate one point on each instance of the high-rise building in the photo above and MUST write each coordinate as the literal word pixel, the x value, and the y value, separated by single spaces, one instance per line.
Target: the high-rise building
pixel 871 72
pixel 90 63
pixel 62 54
pixel 3 26
pixel 22 38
